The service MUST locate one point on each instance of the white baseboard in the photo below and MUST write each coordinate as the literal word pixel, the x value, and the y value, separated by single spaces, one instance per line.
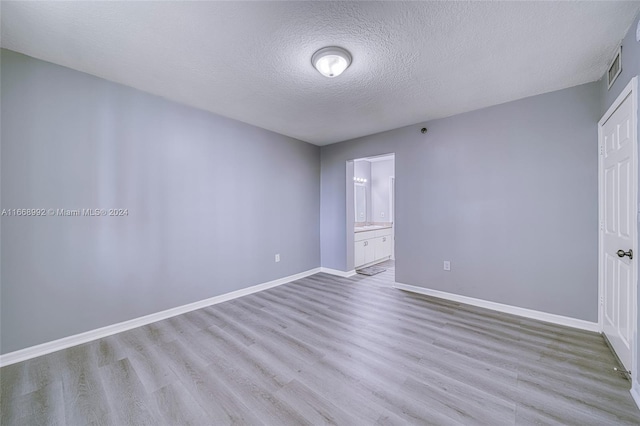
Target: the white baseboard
pixel 344 274
pixel 635 394
pixel 523 312
pixel 99 333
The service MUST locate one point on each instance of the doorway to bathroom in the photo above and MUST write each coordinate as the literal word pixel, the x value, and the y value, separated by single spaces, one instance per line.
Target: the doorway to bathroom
pixel 372 236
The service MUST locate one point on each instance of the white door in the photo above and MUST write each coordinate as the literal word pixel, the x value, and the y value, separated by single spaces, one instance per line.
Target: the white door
pixel 618 215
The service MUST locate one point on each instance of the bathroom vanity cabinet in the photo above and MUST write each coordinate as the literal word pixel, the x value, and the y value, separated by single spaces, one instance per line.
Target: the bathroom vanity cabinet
pixel 372 246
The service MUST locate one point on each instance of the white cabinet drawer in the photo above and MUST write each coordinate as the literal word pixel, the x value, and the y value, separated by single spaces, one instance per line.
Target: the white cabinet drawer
pixel 359 236
pixel 383 232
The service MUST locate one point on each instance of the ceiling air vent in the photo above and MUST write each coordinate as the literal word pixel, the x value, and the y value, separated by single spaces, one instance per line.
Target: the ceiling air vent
pixel 614 68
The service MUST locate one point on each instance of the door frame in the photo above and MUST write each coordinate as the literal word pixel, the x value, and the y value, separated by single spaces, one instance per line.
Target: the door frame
pixel 630 90
pixel 392 209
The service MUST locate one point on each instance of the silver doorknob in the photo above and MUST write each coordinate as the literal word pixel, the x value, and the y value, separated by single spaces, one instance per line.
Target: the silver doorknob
pixel 622 253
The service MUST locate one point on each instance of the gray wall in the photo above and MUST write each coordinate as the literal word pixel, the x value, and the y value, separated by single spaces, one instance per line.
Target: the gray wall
pixel 630 69
pixel 508 194
pixel 210 200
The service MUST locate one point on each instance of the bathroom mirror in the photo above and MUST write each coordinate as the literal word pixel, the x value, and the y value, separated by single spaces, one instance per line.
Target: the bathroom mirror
pixel 361 202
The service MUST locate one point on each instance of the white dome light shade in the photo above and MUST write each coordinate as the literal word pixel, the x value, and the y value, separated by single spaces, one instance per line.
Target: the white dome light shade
pixel 331 61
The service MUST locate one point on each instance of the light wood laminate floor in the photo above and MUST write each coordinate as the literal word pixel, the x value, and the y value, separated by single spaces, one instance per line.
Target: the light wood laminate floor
pixel 326 350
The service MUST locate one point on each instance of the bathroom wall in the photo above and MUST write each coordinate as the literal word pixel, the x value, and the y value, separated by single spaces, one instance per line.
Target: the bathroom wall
pixel 380 191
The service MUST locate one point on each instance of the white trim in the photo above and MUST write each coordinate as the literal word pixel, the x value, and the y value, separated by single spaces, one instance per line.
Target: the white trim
pixel 392 189
pixel 342 274
pixel 630 90
pixel 635 394
pixel 514 310
pixel 392 209
pixel 383 157
pixel 99 333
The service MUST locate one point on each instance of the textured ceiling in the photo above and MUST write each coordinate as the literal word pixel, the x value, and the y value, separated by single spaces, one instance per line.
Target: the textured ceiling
pixel 251 61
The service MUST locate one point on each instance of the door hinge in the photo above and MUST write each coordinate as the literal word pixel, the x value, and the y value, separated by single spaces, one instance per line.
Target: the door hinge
pixel 601 150
pixel 602 225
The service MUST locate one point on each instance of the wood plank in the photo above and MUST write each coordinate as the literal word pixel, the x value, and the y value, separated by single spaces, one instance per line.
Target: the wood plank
pixel 128 399
pixel 327 350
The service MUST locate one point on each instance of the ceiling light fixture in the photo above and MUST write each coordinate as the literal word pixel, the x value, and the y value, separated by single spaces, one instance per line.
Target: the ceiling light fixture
pixel 331 61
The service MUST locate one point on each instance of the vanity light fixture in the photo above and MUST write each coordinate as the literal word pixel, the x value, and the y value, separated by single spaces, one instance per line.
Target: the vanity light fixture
pixel 359 180
pixel 331 61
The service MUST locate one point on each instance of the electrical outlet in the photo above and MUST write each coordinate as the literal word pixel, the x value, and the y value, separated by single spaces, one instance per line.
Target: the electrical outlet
pixel 447 265
pixel 278 257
